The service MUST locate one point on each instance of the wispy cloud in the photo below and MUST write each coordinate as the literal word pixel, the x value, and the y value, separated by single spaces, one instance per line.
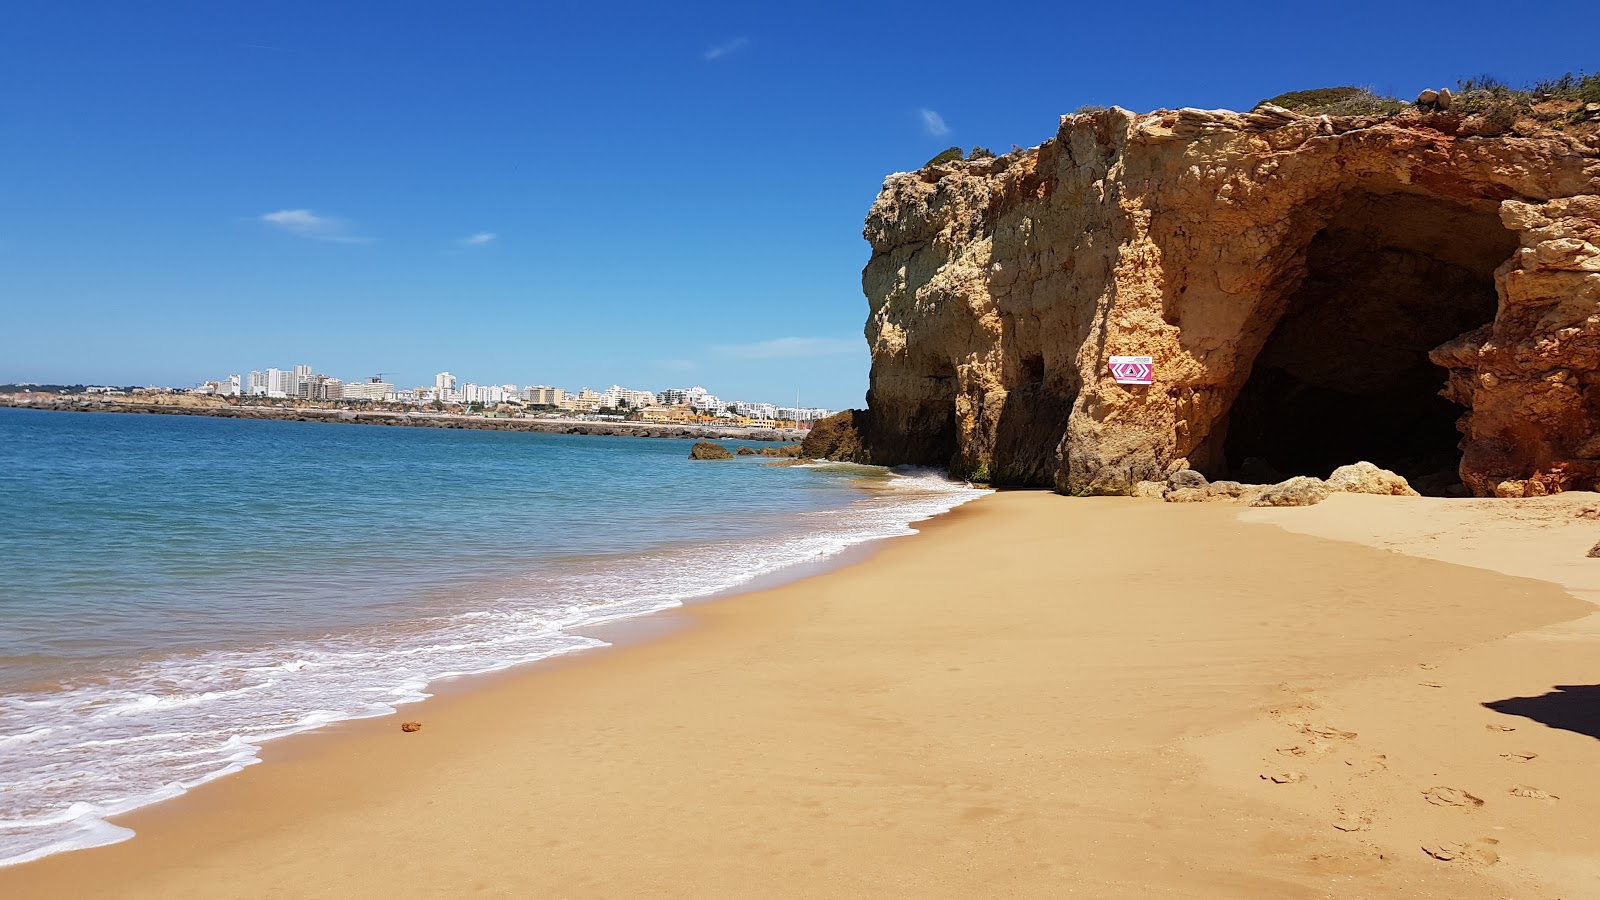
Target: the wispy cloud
pixel 792 348
pixel 727 47
pixel 933 123
pixel 307 224
pixel 477 240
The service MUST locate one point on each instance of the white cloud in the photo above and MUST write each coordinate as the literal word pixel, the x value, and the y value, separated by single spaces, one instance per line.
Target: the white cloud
pixel 792 348
pixel 477 240
pixel 933 123
pixel 727 47
pixel 307 224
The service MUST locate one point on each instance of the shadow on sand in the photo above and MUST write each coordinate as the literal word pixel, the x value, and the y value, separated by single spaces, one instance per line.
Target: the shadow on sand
pixel 1570 707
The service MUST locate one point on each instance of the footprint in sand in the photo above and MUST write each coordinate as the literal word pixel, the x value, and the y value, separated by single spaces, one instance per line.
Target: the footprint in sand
pixel 1452 851
pixel 1521 756
pixel 1285 777
pixel 1371 765
pixel 1432 684
pixel 1426 666
pixel 1449 796
pixel 1501 727
pixel 1328 731
pixel 1532 793
pixel 1353 823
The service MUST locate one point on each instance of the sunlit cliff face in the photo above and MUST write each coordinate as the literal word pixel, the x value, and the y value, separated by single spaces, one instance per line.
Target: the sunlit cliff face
pixel 1304 285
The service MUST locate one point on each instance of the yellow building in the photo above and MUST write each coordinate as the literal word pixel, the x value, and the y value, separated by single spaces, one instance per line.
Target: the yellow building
pixel 676 415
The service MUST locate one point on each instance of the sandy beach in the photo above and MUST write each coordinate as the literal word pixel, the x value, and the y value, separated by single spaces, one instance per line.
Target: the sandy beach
pixel 1035 697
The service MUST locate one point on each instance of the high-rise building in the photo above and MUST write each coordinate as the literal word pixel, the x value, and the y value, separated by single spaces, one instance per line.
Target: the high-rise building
pixel 543 395
pixel 257 386
pixel 280 383
pixel 320 387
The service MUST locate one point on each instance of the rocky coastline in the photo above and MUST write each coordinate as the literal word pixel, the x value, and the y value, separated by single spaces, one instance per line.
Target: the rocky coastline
pixel 1416 288
pixel 418 420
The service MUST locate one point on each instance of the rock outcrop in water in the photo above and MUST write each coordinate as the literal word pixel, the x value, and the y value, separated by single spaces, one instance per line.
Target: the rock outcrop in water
pixel 1305 285
pixel 709 450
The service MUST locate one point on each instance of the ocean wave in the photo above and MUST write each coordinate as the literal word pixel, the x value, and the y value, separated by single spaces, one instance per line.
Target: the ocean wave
pixel 76 757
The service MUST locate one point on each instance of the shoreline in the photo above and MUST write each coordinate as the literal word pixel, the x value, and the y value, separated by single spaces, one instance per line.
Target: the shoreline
pixel 424 420
pixel 810 710
pixel 609 619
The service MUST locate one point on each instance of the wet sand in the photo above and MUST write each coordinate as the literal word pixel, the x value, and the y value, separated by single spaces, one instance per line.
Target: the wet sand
pixel 1036 697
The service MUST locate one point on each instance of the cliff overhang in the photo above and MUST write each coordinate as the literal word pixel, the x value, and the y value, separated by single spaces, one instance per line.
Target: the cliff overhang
pixel 1312 290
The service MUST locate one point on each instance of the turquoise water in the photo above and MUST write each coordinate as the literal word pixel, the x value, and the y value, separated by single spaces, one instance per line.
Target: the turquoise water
pixel 179 589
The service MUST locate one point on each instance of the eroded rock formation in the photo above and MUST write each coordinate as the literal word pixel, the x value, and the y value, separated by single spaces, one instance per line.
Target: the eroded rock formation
pixel 1305 285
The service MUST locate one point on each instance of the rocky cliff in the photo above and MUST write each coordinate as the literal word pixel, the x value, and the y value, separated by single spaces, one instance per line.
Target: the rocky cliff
pixel 1313 290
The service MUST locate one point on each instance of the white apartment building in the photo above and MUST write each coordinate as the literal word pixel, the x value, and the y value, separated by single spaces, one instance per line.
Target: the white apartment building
pixel 616 396
pixel 280 384
pixel 228 387
pixel 803 413
pixel 487 394
pixel 752 410
pixel 681 396
pixel 257 385
pixel 709 403
pixel 444 388
pixel 369 390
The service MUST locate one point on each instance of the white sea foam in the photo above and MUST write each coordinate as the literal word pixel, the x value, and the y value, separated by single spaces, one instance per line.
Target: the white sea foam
pixel 74 758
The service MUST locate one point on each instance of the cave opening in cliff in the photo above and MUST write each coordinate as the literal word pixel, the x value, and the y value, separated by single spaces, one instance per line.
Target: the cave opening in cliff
pixel 1345 375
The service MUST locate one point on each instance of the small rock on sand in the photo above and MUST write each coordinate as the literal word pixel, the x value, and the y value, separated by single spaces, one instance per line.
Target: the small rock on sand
pixel 409 727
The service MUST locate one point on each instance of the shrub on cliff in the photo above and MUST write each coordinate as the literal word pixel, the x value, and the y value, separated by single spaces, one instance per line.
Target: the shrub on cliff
pixel 1337 101
pixel 953 154
pixel 837 438
pixel 980 153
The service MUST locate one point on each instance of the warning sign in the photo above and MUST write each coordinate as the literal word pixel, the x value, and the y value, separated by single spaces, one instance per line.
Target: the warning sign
pixel 1133 369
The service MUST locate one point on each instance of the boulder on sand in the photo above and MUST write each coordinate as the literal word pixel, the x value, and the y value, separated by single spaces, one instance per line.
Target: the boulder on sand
pixel 1366 478
pixel 1301 490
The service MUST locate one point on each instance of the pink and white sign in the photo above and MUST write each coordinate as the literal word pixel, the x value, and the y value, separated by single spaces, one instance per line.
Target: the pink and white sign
pixel 1133 369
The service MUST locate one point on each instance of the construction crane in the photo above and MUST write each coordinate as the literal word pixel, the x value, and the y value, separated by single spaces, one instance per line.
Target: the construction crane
pixel 374 379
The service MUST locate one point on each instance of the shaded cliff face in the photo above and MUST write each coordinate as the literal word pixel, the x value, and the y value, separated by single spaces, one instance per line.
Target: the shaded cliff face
pixel 1306 286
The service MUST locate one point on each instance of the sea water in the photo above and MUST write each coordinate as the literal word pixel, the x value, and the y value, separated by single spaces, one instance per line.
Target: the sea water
pixel 176 590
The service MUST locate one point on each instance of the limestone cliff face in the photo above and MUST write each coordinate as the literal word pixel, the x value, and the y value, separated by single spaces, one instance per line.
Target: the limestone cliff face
pixel 1290 276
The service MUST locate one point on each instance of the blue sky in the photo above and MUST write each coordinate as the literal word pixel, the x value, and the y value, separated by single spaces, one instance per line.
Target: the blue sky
pixel 576 194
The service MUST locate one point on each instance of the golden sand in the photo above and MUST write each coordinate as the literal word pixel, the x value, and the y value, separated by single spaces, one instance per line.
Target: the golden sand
pixel 1036 697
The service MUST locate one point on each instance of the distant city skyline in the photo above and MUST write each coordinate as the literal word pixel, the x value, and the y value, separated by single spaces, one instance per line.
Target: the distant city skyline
pixel 303 381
